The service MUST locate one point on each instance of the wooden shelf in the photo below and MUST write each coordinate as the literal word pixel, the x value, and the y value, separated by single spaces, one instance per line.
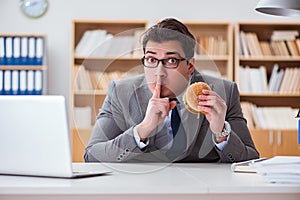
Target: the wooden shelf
pixel 23 67
pixel 95 98
pixel 90 92
pixel 271 95
pixel 269 142
pixel 270 58
pixel 226 64
pixel 264 30
pixel 213 61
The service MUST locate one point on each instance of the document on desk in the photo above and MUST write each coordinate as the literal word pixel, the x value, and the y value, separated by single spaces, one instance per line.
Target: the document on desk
pixel 246 166
pixel 280 169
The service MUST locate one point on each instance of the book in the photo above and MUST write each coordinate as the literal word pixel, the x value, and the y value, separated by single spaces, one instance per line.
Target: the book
pixel 246 166
pixel 287 35
pixel 280 169
pixel 244 47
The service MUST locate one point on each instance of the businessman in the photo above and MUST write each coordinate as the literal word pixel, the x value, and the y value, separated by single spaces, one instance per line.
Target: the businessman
pixel 143 119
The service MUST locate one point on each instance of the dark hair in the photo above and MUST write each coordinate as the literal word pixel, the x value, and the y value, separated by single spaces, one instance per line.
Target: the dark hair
pixel 171 29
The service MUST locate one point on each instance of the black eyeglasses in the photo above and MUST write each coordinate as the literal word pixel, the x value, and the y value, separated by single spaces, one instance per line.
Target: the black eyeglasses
pixel 170 63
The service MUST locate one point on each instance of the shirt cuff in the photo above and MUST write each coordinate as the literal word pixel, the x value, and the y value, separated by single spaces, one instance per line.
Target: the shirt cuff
pixel 137 139
pixel 220 145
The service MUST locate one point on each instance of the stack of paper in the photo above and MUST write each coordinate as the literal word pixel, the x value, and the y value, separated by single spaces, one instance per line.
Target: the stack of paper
pixel 246 166
pixel 280 169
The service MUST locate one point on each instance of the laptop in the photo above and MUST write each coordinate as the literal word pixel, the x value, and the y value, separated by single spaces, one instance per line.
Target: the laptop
pixel 35 139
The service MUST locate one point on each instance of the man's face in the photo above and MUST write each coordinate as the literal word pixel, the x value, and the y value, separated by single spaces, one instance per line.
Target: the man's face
pixel 173 81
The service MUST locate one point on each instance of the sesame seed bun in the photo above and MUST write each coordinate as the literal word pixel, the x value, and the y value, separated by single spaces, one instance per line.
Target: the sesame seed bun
pixel 190 98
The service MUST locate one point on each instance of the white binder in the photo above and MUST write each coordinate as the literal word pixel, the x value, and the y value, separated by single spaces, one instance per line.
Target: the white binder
pixel 16 50
pixel 39 50
pixel 9 50
pixel 7 81
pixel 30 81
pixel 2 51
pixel 31 51
pixel 24 50
pixel 23 82
pixel 15 81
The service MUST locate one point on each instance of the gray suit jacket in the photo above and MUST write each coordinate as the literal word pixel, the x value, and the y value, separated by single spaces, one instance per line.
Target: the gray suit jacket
pixel 125 106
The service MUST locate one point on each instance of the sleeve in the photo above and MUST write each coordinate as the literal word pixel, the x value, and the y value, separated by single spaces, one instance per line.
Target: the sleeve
pixel 240 145
pixel 137 138
pixel 111 140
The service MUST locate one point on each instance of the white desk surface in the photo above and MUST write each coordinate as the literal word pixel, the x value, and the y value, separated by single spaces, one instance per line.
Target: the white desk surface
pixel 149 181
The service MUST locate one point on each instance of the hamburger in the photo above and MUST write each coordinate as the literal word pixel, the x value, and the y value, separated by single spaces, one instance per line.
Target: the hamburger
pixel 190 98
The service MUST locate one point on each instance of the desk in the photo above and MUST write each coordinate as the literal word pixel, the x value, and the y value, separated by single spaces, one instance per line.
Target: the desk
pixel 150 181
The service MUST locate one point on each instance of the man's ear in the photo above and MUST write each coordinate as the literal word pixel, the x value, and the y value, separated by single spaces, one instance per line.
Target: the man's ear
pixel 191 66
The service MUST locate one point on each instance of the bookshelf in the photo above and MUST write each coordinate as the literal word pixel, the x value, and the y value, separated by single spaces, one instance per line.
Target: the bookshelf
pixel 214 49
pixel 262 48
pixel 22 64
pixel 215 57
pixel 108 57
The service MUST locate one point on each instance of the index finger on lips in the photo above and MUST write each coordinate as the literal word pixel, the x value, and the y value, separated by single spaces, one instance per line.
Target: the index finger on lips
pixel 156 92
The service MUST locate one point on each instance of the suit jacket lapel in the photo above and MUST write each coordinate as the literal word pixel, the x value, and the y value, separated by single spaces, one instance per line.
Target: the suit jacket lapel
pixel 192 124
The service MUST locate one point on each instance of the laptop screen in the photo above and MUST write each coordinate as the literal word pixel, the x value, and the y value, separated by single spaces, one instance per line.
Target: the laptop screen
pixel 34 136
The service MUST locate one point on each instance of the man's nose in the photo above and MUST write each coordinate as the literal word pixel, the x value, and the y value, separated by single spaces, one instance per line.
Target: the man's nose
pixel 160 70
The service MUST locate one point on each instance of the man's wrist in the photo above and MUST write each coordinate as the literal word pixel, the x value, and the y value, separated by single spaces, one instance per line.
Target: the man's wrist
pixel 225 132
pixel 141 144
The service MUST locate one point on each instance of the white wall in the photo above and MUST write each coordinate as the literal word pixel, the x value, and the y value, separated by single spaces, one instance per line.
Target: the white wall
pixel 57 23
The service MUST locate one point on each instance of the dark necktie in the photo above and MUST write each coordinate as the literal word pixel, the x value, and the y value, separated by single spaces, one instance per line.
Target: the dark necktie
pixel 175 121
pixel 179 141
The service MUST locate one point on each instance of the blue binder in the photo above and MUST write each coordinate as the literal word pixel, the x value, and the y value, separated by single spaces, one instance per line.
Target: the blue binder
pixel 298 116
pixel 31 51
pixel 9 51
pixel 38 82
pixel 7 82
pixel 298 131
pixel 23 82
pixel 15 82
pixel 39 50
pixel 16 50
pixel 24 50
pixel 1 82
pixel 2 50
pixel 30 82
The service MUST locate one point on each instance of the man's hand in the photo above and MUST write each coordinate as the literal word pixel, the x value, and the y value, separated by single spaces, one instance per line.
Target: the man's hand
pixel 157 110
pixel 215 108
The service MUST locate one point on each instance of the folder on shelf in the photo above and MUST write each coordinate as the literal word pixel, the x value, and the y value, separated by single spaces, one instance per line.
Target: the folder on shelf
pixel 14 82
pixel 24 50
pixel 298 116
pixel 22 82
pixel 30 82
pixel 16 50
pixel 1 82
pixel 39 50
pixel 9 51
pixel 38 82
pixel 31 51
pixel 2 50
pixel 7 82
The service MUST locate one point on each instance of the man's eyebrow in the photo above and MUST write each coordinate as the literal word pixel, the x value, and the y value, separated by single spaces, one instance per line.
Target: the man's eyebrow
pixel 172 53
pixel 167 53
pixel 152 52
